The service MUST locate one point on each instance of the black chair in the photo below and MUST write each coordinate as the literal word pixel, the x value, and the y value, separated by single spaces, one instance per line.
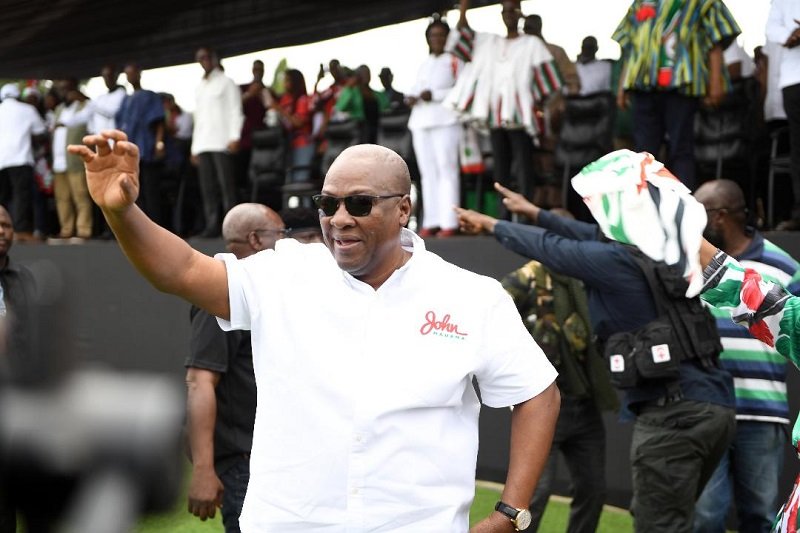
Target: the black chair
pixel 587 133
pixel 268 161
pixel 338 136
pixel 778 164
pixel 726 134
pixel 393 133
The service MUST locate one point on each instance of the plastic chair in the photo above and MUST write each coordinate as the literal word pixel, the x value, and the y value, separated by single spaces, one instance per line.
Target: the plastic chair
pixel 778 164
pixel 268 161
pixel 338 136
pixel 587 130
pixel 725 134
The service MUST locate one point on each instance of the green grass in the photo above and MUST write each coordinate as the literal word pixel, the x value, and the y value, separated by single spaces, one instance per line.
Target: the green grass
pixel 554 520
pixel 178 520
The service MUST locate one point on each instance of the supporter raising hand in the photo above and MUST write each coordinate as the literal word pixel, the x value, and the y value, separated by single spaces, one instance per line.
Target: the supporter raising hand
pixel 112 174
pixel 517 203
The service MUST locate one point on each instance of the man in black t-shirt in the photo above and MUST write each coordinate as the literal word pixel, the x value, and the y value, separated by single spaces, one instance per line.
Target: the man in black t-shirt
pixel 221 400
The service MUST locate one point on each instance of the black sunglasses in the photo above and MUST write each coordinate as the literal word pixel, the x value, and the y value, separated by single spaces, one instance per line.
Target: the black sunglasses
pixel 358 205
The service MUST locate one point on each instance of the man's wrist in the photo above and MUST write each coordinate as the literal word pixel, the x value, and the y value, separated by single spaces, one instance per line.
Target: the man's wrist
pixel 202 466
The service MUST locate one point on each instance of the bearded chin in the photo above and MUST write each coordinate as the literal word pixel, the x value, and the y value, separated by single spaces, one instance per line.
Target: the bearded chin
pixel 714 238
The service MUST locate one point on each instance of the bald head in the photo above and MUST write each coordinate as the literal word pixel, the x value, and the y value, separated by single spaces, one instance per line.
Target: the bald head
pixel 249 228
pixel 720 194
pixel 391 173
pixel 726 227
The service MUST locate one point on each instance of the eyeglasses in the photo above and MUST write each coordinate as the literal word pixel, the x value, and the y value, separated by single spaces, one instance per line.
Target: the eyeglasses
pixel 281 232
pixel 728 209
pixel 358 205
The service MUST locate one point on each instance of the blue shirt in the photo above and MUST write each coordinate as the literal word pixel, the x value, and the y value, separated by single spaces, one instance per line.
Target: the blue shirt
pixel 137 117
pixel 618 293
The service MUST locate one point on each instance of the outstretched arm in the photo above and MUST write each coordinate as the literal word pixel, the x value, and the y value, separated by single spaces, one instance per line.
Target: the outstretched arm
pixel 163 258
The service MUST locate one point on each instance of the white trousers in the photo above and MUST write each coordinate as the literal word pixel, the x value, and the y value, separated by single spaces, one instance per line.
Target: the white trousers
pixel 437 158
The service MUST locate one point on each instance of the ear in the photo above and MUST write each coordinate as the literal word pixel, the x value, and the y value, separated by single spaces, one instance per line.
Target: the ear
pixel 254 241
pixel 405 210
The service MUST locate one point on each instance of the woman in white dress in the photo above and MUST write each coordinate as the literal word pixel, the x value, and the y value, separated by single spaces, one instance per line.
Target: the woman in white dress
pixel 435 132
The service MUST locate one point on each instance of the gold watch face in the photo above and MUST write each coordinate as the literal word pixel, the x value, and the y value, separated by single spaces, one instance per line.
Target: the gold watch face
pixel 523 519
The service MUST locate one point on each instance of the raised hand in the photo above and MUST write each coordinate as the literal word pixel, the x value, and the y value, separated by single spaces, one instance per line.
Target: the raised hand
pixel 111 174
pixel 516 203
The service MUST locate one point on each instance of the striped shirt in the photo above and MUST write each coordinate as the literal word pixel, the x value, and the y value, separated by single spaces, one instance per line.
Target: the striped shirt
pixel 758 370
pixel 675 35
pixel 503 79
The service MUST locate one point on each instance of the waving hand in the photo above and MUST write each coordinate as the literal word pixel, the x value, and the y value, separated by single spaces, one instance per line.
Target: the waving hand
pixel 112 174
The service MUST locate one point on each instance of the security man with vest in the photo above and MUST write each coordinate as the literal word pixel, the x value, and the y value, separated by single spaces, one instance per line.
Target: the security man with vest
pixel 555 310
pixel 662 350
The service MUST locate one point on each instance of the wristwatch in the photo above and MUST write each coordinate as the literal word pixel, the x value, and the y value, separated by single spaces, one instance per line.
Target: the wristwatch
pixel 521 518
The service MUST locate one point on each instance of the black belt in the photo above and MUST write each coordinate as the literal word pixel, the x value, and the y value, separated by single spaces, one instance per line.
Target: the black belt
pixel 661 401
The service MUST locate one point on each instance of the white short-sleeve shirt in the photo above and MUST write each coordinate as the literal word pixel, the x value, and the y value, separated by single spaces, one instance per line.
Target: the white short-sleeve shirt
pixel 18 122
pixel 781 22
pixel 367 419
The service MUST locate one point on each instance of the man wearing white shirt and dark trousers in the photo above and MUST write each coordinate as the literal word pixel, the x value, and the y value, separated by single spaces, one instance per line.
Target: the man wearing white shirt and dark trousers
pixel 783 26
pixel 19 122
pixel 104 109
pixel 218 120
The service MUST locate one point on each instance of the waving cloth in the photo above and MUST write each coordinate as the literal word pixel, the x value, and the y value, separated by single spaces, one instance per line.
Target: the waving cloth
pixel 772 316
pixel 636 200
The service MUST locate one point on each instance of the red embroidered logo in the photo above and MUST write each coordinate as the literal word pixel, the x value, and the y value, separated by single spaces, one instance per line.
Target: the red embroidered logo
pixel 441 327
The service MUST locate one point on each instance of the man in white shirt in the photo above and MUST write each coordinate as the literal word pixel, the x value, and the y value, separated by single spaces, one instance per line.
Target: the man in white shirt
pixel 364 350
pixel 19 123
pixel 218 120
pixel 783 26
pixel 73 205
pixel 105 106
pixel 773 99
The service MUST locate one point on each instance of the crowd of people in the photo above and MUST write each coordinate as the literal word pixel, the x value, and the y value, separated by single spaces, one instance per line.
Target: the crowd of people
pixel 514 89
pixel 396 390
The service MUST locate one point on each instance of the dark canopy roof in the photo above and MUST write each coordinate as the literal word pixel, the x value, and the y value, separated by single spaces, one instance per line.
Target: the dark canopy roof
pixel 44 39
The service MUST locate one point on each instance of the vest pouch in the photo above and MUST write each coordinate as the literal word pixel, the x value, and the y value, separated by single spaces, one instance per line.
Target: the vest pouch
pixel 657 352
pixel 619 352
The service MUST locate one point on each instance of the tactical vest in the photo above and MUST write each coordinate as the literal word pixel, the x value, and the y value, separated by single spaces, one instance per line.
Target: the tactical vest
pixel 684 330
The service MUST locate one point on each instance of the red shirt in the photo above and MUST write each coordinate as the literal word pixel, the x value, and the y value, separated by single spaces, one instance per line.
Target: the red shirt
pixel 299 136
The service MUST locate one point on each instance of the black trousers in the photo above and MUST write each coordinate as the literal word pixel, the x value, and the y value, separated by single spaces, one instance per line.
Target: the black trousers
pixel 16 195
pixel 216 174
pixel 151 199
pixel 512 146
pixel 659 113
pixel 791 104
